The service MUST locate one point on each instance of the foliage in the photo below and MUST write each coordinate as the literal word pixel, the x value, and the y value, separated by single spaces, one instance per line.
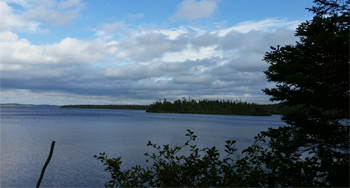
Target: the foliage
pixel 267 163
pixel 279 108
pixel 111 106
pixel 314 74
pixel 171 170
pixel 283 163
pixel 208 107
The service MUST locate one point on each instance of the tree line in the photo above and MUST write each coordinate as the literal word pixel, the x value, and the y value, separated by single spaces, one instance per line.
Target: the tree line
pixel 205 106
pixel 227 107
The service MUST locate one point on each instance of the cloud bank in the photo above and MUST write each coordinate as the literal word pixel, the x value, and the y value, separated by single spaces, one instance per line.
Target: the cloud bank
pixel 142 66
pixel 36 13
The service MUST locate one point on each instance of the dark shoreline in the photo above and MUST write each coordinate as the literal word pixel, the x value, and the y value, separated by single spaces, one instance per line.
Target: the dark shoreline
pixel 274 109
pixel 111 106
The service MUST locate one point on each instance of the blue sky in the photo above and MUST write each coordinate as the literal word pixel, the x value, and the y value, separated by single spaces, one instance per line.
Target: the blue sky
pixel 140 51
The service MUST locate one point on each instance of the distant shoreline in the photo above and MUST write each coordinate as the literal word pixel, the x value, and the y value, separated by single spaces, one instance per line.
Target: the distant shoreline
pixel 29 105
pixel 271 108
pixel 111 106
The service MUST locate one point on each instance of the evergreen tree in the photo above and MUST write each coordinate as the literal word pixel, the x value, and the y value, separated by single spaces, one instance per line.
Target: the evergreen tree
pixel 314 74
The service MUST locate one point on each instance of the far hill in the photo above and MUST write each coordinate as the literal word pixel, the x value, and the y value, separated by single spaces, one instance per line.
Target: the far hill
pixel 110 106
pixel 27 105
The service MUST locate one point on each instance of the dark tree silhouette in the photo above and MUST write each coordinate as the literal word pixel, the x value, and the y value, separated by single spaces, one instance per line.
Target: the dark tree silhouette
pixel 314 74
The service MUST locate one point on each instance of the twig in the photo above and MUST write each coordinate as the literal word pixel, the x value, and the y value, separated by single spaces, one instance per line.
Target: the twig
pixel 45 165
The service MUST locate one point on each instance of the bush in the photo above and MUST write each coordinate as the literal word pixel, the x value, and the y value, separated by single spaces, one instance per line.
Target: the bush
pixel 202 168
pixel 272 161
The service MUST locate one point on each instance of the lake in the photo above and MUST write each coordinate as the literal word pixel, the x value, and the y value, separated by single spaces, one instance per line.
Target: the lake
pixel 27 133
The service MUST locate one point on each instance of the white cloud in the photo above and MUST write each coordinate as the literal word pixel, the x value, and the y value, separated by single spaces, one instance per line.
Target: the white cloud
pixel 23 3
pixel 150 45
pixel 108 29
pixel 192 9
pixel 191 52
pixel 52 13
pixel 67 51
pixel 152 64
pixel 8 20
pixel 174 32
pixel 205 39
pixel 264 25
pixel 37 13
pixel 8 36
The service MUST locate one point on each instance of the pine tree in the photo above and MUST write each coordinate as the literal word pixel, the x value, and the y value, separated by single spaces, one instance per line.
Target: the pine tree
pixel 314 74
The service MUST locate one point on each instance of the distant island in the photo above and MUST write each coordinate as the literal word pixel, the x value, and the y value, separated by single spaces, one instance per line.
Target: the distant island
pixel 109 106
pixel 227 107
pixel 216 107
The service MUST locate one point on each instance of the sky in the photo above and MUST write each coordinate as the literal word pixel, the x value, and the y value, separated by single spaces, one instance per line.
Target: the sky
pixel 139 51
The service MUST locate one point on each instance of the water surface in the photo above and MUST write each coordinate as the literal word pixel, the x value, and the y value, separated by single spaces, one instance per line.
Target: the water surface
pixel 27 133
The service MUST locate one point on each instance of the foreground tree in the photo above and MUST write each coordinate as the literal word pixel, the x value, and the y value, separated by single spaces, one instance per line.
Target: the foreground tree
pixel 314 73
pixel 313 150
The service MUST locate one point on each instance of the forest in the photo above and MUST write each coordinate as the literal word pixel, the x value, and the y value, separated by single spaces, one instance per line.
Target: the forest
pixel 205 106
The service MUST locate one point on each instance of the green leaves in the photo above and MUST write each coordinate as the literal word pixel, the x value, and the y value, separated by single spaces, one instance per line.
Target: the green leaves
pixel 271 161
pixel 171 169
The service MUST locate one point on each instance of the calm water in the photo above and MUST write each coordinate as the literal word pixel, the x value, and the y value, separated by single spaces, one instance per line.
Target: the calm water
pixel 27 133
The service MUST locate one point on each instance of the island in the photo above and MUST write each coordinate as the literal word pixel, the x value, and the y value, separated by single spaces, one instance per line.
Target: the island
pixel 205 106
pixel 224 107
